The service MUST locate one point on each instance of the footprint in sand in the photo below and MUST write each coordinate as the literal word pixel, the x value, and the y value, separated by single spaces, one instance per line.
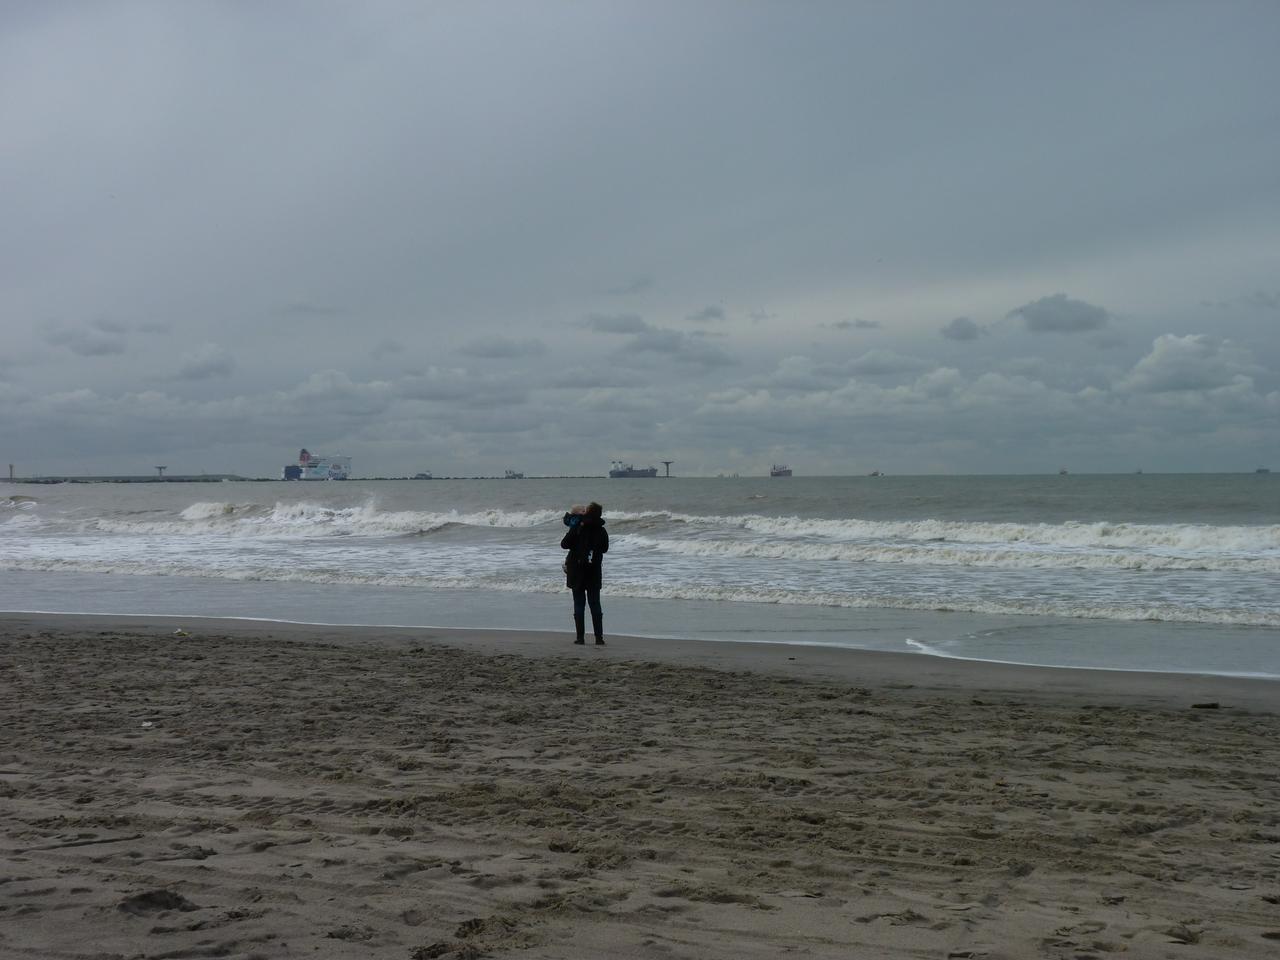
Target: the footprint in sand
pixel 155 901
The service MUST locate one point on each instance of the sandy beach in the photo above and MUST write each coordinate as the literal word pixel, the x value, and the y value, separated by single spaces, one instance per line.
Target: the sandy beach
pixel 200 788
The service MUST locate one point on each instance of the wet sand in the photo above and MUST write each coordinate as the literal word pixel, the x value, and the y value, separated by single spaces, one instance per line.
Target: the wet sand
pixel 268 790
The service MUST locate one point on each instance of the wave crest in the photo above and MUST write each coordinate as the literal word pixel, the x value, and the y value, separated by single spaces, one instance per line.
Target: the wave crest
pixel 954 553
pixel 305 519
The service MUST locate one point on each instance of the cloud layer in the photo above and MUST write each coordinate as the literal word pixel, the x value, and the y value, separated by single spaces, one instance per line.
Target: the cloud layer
pixel 446 236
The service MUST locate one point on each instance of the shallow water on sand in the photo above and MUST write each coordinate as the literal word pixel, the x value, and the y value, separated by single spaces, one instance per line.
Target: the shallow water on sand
pixel 1043 641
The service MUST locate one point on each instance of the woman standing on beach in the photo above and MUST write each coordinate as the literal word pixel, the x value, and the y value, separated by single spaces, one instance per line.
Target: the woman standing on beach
pixel 587 542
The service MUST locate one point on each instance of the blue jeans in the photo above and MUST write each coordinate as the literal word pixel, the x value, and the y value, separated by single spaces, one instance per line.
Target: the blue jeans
pixel 580 600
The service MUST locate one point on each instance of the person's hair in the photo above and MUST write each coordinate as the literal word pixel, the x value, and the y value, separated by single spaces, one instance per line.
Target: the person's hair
pixel 594 510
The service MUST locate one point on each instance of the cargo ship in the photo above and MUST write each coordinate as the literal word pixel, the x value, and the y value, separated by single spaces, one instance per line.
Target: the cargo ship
pixel 779 470
pixel 621 471
pixel 313 466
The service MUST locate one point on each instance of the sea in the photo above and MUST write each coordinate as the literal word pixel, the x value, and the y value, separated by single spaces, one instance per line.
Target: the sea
pixel 1146 572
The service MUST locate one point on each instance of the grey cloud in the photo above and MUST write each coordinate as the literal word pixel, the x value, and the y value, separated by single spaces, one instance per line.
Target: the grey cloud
pixel 943 382
pixel 82 420
pixel 1260 299
pixel 638 285
pixel 155 326
pixel 386 348
pixel 805 373
pixel 460 388
pixel 436 384
pixel 961 328
pixel 707 315
pixel 639 405
pixel 1030 367
pixel 928 409
pixel 586 378
pixel 616 323
pixel 1060 372
pixel 866 324
pixel 802 373
pixel 659 340
pixel 132 421
pixel 1060 314
pixel 1186 363
pixel 760 315
pixel 206 361
pixel 647 338
pixel 491 420
pixel 305 308
pixel 885 362
pixel 335 393
pixel 680 346
pixel 89 341
pixel 496 348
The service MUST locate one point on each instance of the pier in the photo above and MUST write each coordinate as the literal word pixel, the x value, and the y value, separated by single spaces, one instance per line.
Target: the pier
pixel 156 478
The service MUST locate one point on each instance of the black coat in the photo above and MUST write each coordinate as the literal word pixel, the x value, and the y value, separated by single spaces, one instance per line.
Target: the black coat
pixel 587 542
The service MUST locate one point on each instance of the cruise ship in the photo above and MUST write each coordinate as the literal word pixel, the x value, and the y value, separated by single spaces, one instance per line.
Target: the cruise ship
pixel 622 470
pixel 313 466
pixel 779 470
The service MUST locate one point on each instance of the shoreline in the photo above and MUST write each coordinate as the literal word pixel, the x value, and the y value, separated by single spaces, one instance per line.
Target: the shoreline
pixel 1023 639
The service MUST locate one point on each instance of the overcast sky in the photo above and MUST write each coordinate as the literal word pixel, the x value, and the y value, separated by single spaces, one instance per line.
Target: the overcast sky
pixel 916 237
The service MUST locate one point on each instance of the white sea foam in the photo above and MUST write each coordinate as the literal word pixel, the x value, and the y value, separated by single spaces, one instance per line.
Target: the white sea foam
pixel 19 514
pixel 1183 537
pixel 951 553
pixel 744 593
pixel 1099 544
pixel 307 519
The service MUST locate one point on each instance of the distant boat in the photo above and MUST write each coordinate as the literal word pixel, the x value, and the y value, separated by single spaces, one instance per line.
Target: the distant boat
pixel 779 470
pixel 1062 471
pixel 1263 470
pixel 875 473
pixel 625 471
pixel 314 466
pixel 425 475
pixel 514 475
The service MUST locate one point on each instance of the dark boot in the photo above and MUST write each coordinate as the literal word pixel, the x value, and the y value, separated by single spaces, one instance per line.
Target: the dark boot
pixel 597 624
pixel 579 627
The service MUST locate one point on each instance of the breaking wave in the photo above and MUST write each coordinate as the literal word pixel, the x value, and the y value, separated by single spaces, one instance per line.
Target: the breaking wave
pixel 1079 534
pixel 745 535
pixel 310 520
pixel 955 553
